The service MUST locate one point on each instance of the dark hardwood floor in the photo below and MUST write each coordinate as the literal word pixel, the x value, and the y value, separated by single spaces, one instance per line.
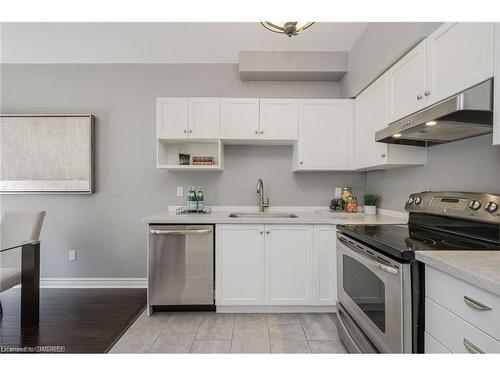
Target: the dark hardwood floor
pixel 79 320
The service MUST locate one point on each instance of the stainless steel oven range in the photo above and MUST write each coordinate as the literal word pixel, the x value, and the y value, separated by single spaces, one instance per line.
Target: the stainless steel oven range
pixel 381 285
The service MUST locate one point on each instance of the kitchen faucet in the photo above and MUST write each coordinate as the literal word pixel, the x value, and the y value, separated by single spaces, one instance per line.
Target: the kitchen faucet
pixel 260 194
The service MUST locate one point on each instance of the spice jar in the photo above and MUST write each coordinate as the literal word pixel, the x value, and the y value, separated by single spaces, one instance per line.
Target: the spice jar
pixel 352 205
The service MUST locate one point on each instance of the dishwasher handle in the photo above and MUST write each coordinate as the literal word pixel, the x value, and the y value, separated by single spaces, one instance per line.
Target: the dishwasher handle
pixel 180 231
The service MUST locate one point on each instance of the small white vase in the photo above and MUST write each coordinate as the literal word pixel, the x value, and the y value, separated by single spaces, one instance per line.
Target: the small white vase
pixel 370 210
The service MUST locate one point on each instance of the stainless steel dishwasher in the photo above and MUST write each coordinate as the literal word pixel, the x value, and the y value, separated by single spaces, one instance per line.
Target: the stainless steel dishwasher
pixel 180 267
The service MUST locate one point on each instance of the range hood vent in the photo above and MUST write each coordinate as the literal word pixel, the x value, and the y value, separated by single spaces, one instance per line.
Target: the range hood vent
pixel 465 115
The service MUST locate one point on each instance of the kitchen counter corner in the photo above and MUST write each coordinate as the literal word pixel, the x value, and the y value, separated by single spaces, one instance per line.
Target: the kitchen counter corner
pixel 480 268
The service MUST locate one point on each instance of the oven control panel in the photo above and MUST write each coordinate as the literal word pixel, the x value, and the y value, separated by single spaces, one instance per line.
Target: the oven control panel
pixel 471 206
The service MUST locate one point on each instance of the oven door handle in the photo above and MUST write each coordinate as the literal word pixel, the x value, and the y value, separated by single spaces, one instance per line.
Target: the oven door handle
pixel 373 262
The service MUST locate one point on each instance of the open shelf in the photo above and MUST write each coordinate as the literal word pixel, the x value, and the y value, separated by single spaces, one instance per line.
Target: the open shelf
pixel 168 150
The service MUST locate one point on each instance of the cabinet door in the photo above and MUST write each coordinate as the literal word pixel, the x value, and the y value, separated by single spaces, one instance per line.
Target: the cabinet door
pixel 325 265
pixel 371 116
pixel 239 264
pixel 289 255
pixel 325 134
pixel 240 118
pixel 496 95
pixel 204 118
pixel 459 56
pixel 279 119
pixel 406 84
pixel 172 118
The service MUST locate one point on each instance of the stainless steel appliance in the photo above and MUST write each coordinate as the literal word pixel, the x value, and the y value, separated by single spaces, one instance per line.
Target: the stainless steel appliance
pixel 180 267
pixel 380 285
pixel 467 114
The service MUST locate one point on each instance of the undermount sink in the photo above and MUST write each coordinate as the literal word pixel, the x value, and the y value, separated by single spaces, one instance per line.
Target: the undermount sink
pixel 278 215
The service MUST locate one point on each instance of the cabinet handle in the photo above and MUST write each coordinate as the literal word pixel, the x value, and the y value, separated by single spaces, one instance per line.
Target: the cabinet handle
pixel 471 348
pixel 419 97
pixel 427 92
pixel 475 304
pixel 382 155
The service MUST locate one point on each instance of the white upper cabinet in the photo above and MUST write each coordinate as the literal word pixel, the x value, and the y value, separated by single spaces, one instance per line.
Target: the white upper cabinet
pixel 406 84
pixel 454 58
pixel 459 56
pixel 180 118
pixel 172 116
pixel 371 116
pixel 288 264
pixel 204 118
pixel 496 95
pixel 279 119
pixel 325 134
pixel 240 118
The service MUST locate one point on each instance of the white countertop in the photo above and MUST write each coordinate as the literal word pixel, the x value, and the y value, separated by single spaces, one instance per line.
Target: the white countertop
pixel 306 215
pixel 480 268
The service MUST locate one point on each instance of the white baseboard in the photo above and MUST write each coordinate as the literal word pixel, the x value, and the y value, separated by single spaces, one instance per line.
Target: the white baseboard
pixel 276 309
pixel 57 282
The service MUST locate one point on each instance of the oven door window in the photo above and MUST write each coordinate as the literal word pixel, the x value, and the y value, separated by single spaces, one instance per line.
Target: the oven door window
pixel 365 289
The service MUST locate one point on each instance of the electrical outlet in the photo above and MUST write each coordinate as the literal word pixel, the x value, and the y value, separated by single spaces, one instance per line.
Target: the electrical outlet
pixel 72 255
pixel 180 191
pixel 338 192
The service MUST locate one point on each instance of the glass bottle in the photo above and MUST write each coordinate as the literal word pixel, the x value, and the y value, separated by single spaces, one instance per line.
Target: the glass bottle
pixel 192 204
pixel 200 199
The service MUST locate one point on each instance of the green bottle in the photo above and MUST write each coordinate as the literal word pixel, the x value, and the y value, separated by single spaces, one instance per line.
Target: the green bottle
pixel 192 204
pixel 200 199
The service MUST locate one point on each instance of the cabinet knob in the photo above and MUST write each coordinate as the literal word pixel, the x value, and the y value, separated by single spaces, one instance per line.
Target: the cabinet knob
pixel 427 93
pixel 256 132
pixel 190 131
pixel 185 131
pixel 268 232
pixel 382 155
pixel 419 97
pixel 261 232
pixel 262 132
pixel 301 162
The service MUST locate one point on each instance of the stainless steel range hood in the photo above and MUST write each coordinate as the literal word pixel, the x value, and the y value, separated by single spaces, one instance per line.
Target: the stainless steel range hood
pixel 464 115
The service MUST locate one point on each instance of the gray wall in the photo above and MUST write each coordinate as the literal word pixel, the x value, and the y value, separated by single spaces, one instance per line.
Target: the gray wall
pixel 105 228
pixel 380 46
pixel 468 165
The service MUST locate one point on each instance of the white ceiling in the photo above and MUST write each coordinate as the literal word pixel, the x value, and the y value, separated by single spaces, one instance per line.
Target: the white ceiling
pixel 161 42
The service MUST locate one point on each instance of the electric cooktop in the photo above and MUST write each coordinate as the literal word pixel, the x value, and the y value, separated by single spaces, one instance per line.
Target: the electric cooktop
pixel 447 221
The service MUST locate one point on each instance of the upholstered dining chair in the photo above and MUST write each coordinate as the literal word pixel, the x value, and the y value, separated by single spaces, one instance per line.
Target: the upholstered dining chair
pixel 16 227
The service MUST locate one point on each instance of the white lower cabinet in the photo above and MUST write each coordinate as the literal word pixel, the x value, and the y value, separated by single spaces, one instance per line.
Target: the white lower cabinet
pixel 239 263
pixel 325 265
pixel 461 317
pixel 275 264
pixel 288 264
pixel 433 346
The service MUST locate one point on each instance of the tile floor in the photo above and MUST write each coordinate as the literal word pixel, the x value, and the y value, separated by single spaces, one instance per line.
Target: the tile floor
pixel 200 332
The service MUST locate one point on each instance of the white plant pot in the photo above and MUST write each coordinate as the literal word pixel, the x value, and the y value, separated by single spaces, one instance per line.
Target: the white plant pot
pixel 370 210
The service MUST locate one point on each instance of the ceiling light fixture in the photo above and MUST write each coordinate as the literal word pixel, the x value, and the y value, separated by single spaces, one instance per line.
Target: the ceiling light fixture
pixel 287 28
pixel 431 123
pixel 397 135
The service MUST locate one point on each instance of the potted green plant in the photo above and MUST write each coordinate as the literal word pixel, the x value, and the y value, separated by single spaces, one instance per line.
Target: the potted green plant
pixel 370 201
